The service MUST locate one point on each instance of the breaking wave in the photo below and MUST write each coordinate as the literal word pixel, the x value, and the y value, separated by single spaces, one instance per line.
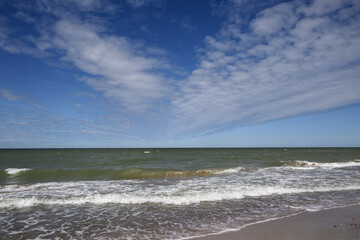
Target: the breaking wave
pixel 15 171
pixel 27 175
pixel 164 196
pixel 329 165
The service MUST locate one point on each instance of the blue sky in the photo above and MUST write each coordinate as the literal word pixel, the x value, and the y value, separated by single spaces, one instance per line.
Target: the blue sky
pixel 161 73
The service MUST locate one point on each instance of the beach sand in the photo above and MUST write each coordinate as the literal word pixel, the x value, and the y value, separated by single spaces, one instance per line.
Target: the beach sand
pixel 338 223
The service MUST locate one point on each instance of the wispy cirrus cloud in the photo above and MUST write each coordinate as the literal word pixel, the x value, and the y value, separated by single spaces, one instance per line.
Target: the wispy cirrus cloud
pixel 116 67
pixel 13 97
pixel 9 95
pixel 186 24
pixel 143 3
pixel 15 45
pixel 125 70
pixel 29 126
pixel 292 58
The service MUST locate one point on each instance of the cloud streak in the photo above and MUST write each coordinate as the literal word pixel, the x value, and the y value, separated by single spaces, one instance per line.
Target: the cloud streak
pixel 125 70
pixel 114 66
pixel 9 95
pixel 144 3
pixel 293 59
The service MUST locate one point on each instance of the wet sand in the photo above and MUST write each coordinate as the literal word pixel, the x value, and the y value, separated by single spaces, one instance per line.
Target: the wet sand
pixel 338 223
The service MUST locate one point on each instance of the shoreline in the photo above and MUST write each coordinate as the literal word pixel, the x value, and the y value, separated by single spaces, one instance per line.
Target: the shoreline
pixel 334 223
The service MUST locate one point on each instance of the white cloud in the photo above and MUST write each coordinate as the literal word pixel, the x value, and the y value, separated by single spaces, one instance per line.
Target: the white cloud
pixel 124 70
pixel 143 3
pixel 87 4
pixel 117 68
pixel 28 127
pixel 285 65
pixel 17 44
pixel 61 7
pixel 9 95
pixel 273 20
pixel 322 7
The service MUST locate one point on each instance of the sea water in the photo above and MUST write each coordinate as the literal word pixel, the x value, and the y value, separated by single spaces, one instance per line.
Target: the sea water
pixel 166 193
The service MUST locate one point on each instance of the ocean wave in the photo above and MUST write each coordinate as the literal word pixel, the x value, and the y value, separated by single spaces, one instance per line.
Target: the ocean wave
pixel 228 170
pixel 141 197
pixel 15 171
pixel 40 175
pixel 314 165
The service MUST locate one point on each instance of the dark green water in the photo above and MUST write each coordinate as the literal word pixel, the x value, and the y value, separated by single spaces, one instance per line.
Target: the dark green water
pixel 114 164
pixel 166 193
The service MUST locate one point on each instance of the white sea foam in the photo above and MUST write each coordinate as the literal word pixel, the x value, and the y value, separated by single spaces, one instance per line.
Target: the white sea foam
pixel 228 170
pixel 14 171
pixel 162 197
pixel 314 165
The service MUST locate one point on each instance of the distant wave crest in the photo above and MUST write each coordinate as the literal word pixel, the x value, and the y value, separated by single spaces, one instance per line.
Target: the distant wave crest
pixel 15 171
pixel 44 175
pixel 314 165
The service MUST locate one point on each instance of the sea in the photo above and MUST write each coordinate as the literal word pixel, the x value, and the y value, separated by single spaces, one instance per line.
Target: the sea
pixel 167 193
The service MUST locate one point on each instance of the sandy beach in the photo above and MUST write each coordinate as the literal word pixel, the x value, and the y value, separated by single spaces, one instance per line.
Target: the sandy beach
pixel 338 223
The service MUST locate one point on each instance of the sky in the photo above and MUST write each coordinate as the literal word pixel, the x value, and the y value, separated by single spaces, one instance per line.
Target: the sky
pixel 163 73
